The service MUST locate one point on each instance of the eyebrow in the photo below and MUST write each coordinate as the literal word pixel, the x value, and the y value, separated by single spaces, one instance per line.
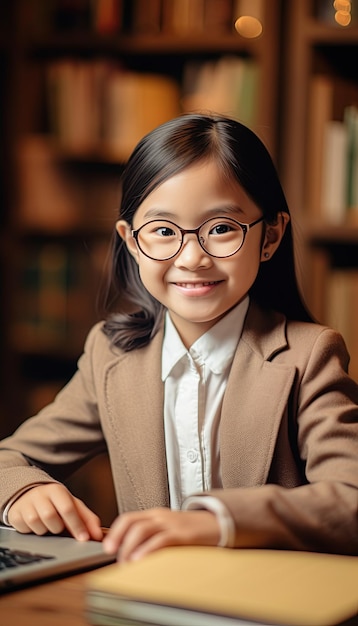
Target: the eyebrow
pixel 230 210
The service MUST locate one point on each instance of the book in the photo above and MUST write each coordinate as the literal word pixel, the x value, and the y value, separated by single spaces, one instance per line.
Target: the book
pixel 207 586
pixel 42 310
pixel 146 16
pixel 55 303
pixel 75 102
pixel 218 16
pixel 107 16
pixel 228 85
pixel 320 112
pixel 248 97
pixel 339 193
pixel 183 16
pixel 351 123
pixel 341 308
pixel 334 172
pixel 135 104
pixel 49 197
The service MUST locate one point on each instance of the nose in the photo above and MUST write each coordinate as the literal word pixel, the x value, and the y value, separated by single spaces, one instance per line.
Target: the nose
pixel 191 255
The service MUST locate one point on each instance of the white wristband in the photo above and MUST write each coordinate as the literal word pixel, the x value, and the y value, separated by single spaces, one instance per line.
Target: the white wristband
pixel 226 523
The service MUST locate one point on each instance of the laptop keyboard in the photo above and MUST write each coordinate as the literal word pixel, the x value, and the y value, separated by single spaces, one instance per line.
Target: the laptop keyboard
pixel 14 558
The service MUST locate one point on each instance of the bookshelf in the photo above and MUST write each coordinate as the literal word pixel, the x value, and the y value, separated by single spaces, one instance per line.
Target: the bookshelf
pixel 317 163
pixel 65 68
pixel 60 166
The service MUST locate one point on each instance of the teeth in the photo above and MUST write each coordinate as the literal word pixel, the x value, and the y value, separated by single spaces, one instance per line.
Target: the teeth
pixel 196 285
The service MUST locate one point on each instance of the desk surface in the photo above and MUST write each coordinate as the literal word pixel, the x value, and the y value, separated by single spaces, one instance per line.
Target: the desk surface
pixel 57 603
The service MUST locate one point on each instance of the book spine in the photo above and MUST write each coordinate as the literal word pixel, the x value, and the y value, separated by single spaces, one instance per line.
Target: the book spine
pixel 106 16
pixel 147 16
pixel 228 86
pixel 334 172
pixel 351 121
pixel 56 296
pixel 183 16
pixel 320 112
pixel 218 16
pixel 341 308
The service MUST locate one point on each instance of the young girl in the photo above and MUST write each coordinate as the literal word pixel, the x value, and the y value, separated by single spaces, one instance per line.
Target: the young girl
pixel 228 415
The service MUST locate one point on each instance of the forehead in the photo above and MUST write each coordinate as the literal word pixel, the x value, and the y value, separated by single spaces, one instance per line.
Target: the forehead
pixel 200 188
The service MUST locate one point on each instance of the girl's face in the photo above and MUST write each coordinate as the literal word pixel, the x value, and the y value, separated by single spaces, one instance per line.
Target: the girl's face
pixel 196 288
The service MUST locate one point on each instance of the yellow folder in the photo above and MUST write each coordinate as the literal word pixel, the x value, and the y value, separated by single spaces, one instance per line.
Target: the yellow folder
pixel 206 585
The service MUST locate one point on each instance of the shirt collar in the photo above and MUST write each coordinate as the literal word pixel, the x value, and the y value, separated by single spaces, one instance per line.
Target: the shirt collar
pixel 216 347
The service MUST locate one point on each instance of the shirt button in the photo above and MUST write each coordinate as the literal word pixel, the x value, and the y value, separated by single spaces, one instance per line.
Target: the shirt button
pixel 192 456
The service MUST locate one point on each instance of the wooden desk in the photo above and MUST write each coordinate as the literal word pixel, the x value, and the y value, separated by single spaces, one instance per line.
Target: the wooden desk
pixel 58 603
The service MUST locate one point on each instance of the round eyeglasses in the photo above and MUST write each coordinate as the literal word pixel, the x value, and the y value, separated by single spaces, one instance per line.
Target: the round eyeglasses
pixel 220 237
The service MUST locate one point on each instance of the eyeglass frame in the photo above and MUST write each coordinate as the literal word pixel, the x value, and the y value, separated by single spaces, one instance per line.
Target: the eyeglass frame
pixel 195 231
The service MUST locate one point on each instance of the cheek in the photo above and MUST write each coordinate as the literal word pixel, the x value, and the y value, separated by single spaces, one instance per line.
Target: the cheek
pixel 151 274
pixel 244 276
pixel 244 269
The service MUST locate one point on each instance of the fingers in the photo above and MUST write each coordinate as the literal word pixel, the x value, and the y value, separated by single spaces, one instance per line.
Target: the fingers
pixel 133 535
pixel 24 516
pixel 90 519
pixel 52 508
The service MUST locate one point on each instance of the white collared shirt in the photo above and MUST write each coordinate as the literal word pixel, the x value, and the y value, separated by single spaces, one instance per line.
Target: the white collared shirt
pixel 194 385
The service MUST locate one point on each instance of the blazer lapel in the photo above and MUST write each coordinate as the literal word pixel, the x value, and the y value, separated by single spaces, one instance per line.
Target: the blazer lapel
pixel 255 401
pixel 135 406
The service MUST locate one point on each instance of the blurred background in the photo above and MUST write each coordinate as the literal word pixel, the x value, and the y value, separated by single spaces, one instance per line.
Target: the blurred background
pixel 81 81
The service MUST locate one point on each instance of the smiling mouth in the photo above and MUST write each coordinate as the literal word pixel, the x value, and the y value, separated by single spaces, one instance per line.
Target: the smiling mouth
pixel 198 285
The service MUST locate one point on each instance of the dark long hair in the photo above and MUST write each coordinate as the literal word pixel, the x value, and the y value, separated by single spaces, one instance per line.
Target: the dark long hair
pixel 161 154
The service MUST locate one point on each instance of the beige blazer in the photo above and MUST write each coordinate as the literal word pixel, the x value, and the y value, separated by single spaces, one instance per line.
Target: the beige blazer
pixel 288 434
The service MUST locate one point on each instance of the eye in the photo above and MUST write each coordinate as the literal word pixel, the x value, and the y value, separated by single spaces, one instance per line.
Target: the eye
pixel 164 231
pixel 222 228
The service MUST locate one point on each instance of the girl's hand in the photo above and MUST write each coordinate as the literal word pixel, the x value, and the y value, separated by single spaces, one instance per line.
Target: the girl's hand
pixel 132 535
pixel 52 508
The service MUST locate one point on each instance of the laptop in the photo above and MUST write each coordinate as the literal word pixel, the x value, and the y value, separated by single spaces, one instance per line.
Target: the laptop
pixel 29 559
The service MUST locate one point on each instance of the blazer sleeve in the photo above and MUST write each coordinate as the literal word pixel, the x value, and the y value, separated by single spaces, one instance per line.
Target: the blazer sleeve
pixel 321 515
pixel 51 445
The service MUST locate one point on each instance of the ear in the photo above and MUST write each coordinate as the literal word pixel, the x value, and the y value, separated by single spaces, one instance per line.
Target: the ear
pixel 273 236
pixel 124 231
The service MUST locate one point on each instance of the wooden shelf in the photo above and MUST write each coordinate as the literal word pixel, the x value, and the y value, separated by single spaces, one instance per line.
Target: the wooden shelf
pixel 142 44
pixel 327 235
pixel 317 32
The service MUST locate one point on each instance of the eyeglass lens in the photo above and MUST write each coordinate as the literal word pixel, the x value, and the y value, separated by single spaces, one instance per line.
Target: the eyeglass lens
pixel 161 239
